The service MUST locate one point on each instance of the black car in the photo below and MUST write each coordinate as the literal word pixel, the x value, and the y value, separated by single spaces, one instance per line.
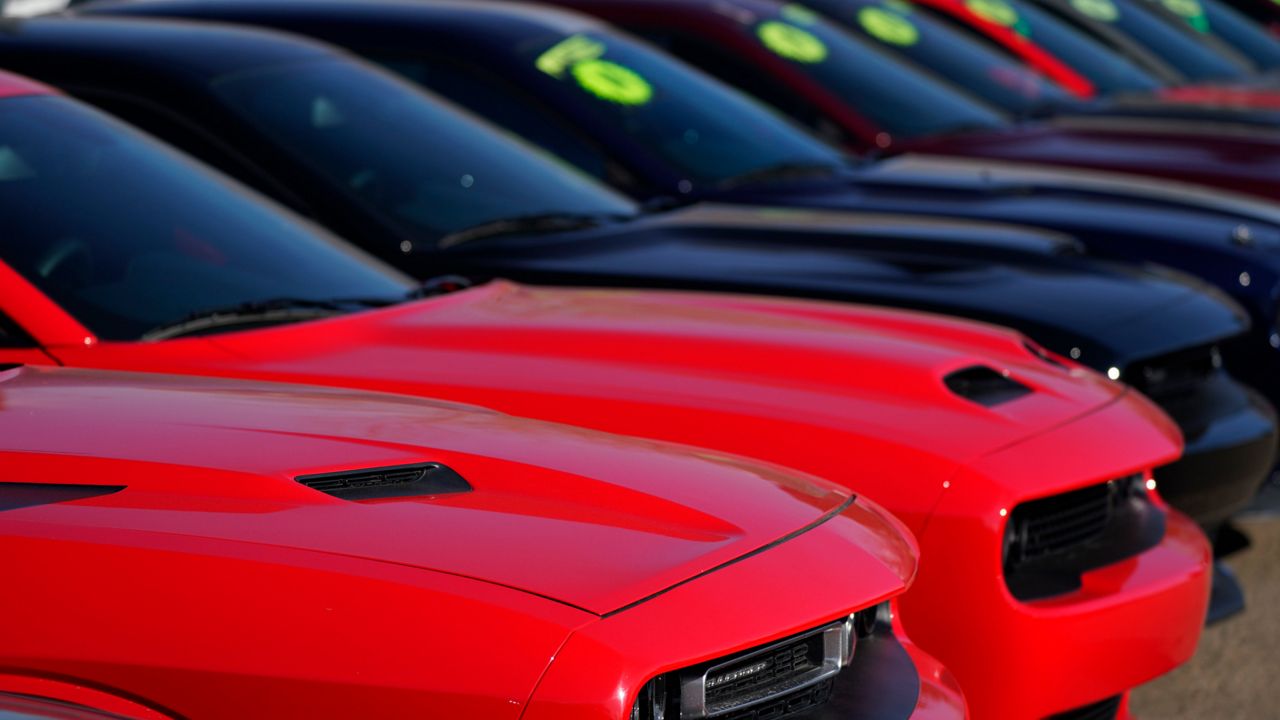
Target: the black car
pixel 438 192
pixel 696 139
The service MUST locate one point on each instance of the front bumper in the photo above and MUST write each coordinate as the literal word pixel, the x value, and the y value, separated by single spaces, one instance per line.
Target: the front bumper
pixel 1128 622
pixel 788 588
pixel 1230 434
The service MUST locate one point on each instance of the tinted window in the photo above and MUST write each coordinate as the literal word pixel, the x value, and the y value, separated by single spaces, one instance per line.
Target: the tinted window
pixel 937 47
pixel 127 236
pixel 1107 70
pixel 1230 26
pixel 1175 46
pixel 424 167
pixel 734 70
pixel 490 96
pixel 896 97
pixel 705 130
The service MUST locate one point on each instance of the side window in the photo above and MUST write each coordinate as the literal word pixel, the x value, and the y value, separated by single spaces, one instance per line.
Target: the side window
pixel 488 95
pixel 966 30
pixel 12 336
pixel 155 120
pixel 724 65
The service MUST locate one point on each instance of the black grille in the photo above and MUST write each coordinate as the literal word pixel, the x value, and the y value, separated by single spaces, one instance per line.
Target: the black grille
pixel 1050 543
pixel 787 705
pixel 742 679
pixel 1060 523
pixel 1175 376
pixel 388 482
pixel 1105 710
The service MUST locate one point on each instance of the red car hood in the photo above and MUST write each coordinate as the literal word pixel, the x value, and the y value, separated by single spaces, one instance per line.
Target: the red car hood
pixel 662 363
pixel 592 520
pixel 1233 157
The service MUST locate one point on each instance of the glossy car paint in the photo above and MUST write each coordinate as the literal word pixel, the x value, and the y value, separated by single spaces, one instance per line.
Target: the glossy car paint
pixel 1229 96
pixel 1217 236
pixel 956 55
pixel 971 269
pixel 205 535
pixel 1238 458
pixel 854 395
pixel 1246 161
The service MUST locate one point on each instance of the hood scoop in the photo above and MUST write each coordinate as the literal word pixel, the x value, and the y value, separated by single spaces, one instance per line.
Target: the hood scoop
pixel 984 386
pixel 14 495
pixel 399 481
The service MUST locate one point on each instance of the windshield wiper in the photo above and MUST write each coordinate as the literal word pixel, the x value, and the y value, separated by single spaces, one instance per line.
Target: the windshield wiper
pixel 544 222
pixel 260 312
pixel 782 172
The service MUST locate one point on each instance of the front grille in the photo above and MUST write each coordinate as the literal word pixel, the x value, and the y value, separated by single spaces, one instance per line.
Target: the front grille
pixel 789 678
pixel 1174 376
pixel 1050 542
pixel 1060 523
pixel 747 677
pixel 788 705
pixel 1106 710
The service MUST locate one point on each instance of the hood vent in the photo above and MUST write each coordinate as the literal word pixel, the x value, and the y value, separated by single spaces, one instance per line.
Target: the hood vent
pixel 14 495
pixel 984 386
pixel 388 482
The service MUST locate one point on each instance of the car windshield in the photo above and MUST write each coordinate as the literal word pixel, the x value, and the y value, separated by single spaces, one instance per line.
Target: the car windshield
pixel 127 235
pixel 1175 46
pixel 942 49
pixel 899 99
pixel 707 130
pixel 420 165
pixel 1227 24
pixel 1107 70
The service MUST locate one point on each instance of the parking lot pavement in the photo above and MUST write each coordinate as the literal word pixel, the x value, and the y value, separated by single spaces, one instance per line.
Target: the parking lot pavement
pixel 1236 671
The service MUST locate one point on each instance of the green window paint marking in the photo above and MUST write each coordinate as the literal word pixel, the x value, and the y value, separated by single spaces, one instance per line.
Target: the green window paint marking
pixel 888 27
pixel 1189 10
pixel 791 42
pixel 1000 13
pixel 581 56
pixel 1100 10
pixel 567 52
pixel 612 82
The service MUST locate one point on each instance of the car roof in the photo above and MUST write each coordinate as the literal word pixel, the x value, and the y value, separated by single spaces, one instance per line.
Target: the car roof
pixel 205 50
pixel 498 23
pixel 15 85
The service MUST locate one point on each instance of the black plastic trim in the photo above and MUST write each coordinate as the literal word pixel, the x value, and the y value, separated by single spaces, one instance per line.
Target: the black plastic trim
pixel 15 495
pixel 396 481
pixel 984 386
pixel 1134 526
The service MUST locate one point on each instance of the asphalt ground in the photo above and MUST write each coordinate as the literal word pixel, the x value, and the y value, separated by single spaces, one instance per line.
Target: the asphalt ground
pixel 1235 672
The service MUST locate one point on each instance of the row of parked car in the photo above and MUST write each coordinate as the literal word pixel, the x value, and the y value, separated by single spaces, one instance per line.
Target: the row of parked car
pixel 416 358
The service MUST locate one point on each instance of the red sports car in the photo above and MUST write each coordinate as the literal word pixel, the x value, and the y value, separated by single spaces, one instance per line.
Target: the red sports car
pixel 1040 562
pixel 197 548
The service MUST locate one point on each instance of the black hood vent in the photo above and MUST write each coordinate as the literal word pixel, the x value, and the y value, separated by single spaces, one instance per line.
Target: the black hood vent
pixel 984 386
pixel 14 495
pixel 388 482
